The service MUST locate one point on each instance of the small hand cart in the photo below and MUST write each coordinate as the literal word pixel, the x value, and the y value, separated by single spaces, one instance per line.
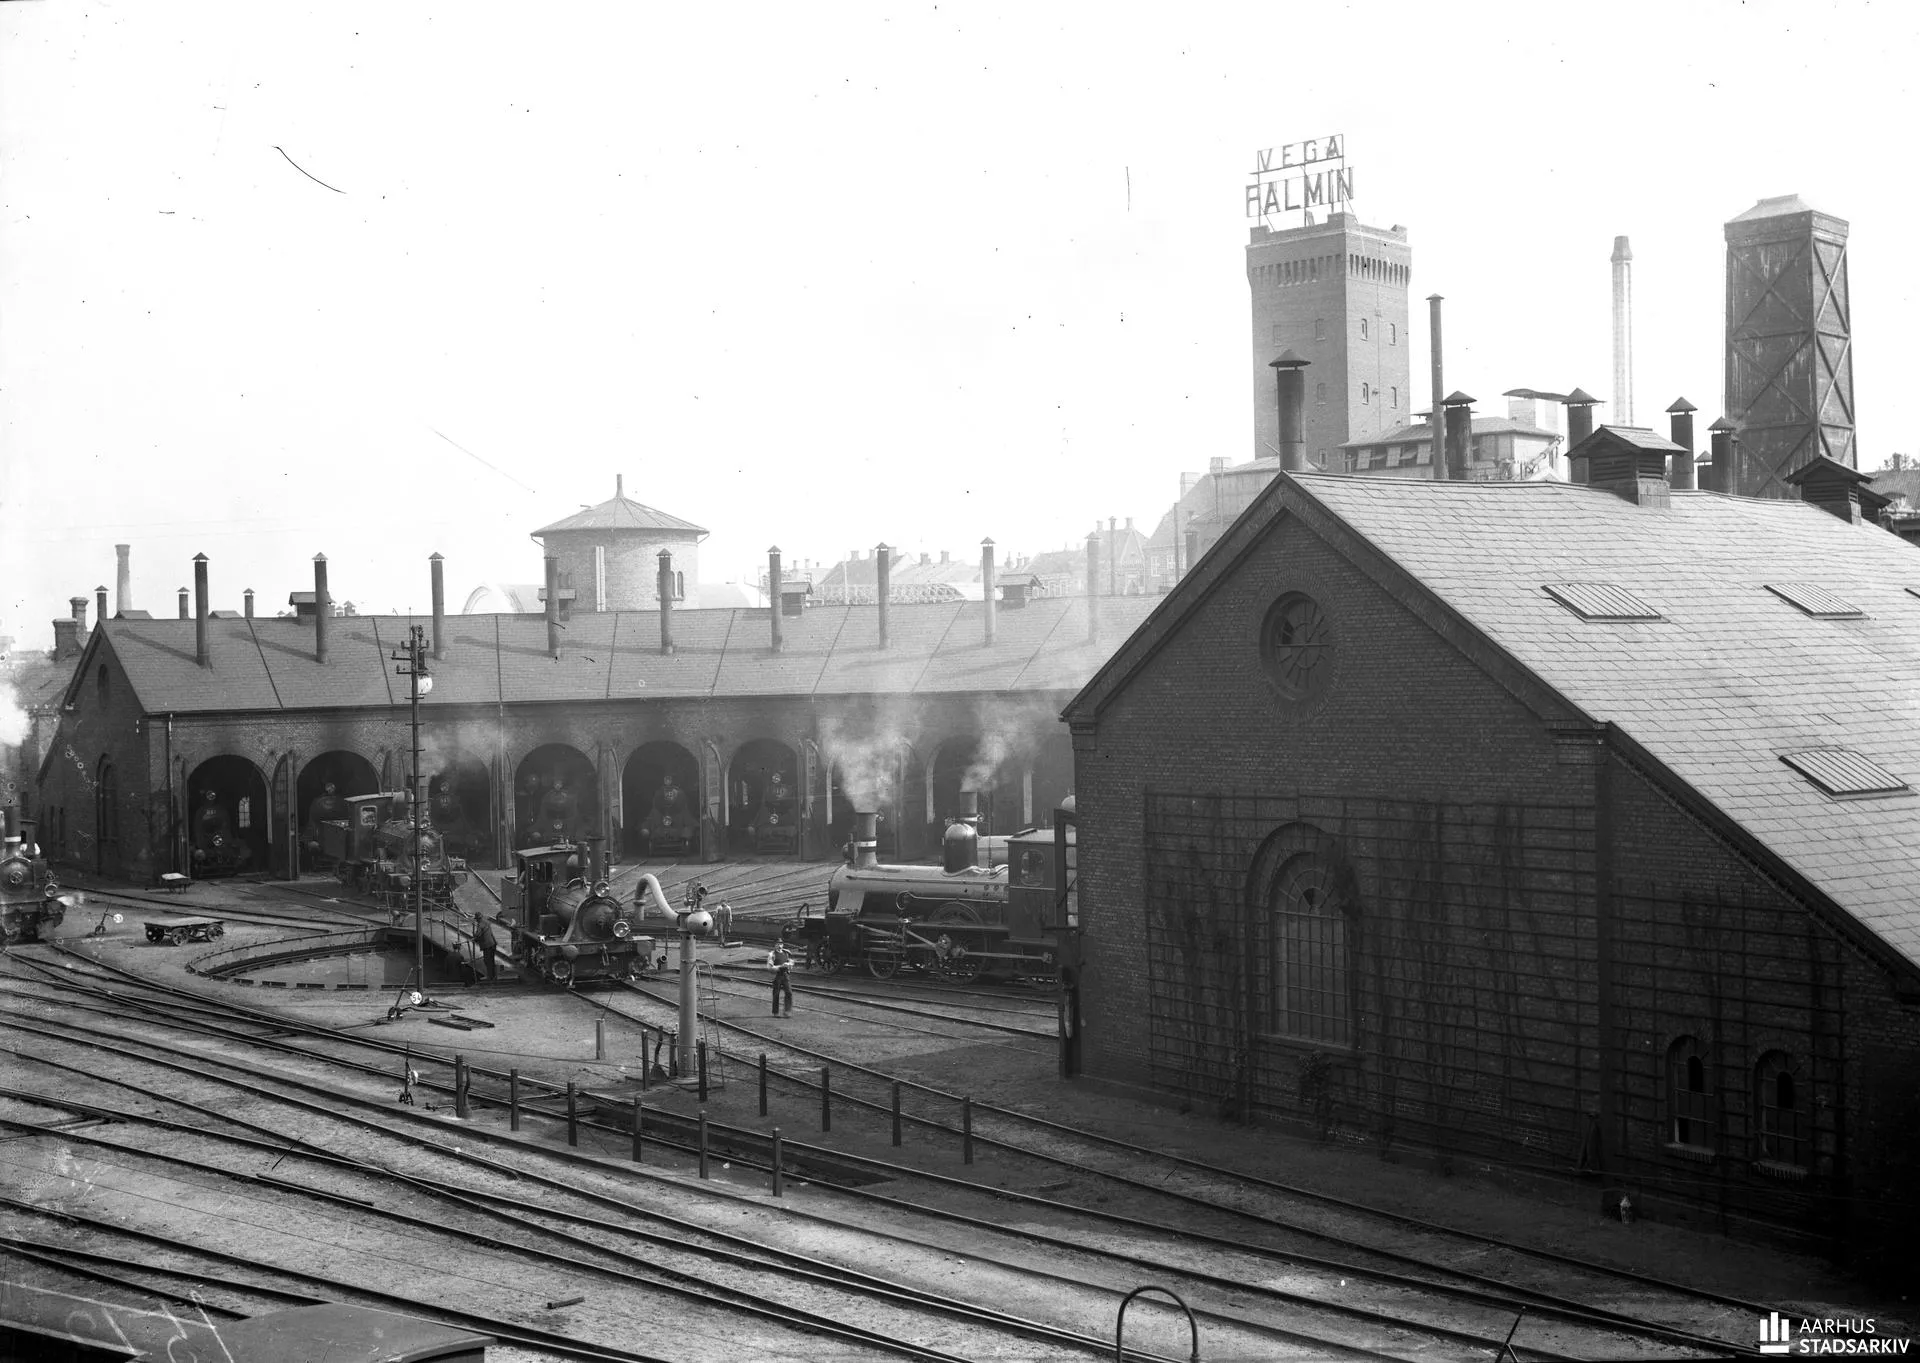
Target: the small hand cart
pixel 179 931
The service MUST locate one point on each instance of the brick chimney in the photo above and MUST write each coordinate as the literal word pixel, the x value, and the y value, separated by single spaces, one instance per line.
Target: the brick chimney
pixel 1680 428
pixel 68 633
pixel 986 584
pixel 100 609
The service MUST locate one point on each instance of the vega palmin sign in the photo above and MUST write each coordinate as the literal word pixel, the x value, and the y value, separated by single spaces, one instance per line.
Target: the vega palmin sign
pixel 1301 176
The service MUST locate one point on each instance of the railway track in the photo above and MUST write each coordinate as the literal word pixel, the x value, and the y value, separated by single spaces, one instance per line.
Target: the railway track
pixel 1435 1281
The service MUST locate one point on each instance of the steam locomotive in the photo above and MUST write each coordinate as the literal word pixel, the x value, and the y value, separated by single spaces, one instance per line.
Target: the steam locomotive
pixel 29 898
pixel 372 849
pixel 958 920
pixel 565 923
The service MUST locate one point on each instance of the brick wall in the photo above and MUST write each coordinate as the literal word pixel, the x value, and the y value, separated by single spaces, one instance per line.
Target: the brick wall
pixel 633 567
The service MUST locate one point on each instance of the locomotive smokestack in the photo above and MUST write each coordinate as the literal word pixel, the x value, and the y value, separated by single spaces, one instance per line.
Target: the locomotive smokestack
pixel 986 583
pixel 773 595
pixel 247 596
pixel 1458 418
pixel 1290 391
pixel 1439 402
pixel 596 858
pixel 201 654
pixel 866 841
pixel 666 600
pixel 122 580
pixel 883 584
pixel 100 605
pixel 553 606
pixel 439 606
pixel 960 846
pixel 1622 332
pixel 1721 434
pixel 185 613
pixel 1680 428
pixel 1093 587
pixel 322 607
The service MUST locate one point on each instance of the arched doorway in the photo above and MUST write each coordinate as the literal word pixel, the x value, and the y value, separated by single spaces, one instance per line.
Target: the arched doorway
pixel 763 800
pixel 892 784
pixel 660 792
pixel 556 796
pixel 106 818
pixel 993 772
pixel 227 817
pixel 321 793
pixel 460 797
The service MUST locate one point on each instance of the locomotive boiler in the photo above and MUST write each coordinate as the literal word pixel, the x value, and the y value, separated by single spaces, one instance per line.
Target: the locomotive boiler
pixel 30 900
pixel 566 925
pixel 373 849
pixel 958 920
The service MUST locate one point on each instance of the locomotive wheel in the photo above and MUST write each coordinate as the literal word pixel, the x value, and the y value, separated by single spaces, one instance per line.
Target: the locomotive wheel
pixel 954 961
pixel 884 961
pixel 827 956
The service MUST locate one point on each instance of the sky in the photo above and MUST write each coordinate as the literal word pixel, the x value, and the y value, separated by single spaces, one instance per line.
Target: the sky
pixel 384 280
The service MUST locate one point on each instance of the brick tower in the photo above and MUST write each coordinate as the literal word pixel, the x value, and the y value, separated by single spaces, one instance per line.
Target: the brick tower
pixel 1335 293
pixel 609 554
pixel 1789 344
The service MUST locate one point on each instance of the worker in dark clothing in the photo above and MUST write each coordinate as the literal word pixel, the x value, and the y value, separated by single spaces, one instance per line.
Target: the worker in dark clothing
pixel 488 944
pixel 780 960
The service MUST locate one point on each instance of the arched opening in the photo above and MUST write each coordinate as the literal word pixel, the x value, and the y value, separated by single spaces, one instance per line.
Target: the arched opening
pixel 226 817
pixel 1690 1108
pixel 763 805
pixel 321 793
pixel 460 800
pixel 1304 926
pixel 660 792
pixel 106 818
pixel 556 796
pixel 1781 1116
pixel 994 771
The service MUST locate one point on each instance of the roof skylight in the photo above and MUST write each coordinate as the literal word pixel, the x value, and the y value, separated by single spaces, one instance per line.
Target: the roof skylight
pixel 1600 601
pixel 1844 772
pixel 1815 601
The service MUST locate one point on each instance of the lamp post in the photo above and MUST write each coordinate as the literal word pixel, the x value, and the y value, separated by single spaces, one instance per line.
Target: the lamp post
pixel 412 657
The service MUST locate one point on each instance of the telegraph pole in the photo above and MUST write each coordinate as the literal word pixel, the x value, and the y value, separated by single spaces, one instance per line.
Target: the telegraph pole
pixel 412 657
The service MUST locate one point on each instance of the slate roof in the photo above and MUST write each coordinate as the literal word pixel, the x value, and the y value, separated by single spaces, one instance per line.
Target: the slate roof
pixel 268 664
pixel 1730 677
pixel 621 512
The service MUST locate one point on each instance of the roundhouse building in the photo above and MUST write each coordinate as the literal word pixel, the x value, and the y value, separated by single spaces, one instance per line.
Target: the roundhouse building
pixel 1566 828
pixel 760 729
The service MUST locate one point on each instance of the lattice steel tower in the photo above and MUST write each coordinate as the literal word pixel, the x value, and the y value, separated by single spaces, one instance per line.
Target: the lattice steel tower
pixel 1789 343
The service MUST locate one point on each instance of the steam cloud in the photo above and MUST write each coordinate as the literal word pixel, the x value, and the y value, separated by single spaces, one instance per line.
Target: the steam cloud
pixel 868 757
pixel 1007 730
pixel 13 719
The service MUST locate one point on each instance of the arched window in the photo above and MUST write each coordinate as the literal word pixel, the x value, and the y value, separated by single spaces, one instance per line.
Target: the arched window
pixel 1299 880
pixel 1366 395
pixel 1393 333
pixel 1691 1120
pixel 1780 1112
pixel 106 811
pixel 1363 328
pixel 679 586
pixel 244 817
pixel 1396 395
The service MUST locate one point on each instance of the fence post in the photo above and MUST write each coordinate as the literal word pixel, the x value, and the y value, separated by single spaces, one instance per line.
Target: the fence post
pixel 763 1083
pixel 673 1054
pixel 646 1061
pixel 896 1112
pixel 459 1085
pixel 966 1130
pixel 826 1100
pixel 779 1181
pixel 513 1100
pixel 700 1047
pixel 573 1114
pixel 599 1038
pixel 639 1122
pixel 703 1142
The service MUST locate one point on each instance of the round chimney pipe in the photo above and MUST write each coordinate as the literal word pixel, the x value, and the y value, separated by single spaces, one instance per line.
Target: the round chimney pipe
pixel 1680 431
pixel 883 583
pixel 1290 391
pixel 773 596
pixel 322 607
pixel 986 583
pixel 665 589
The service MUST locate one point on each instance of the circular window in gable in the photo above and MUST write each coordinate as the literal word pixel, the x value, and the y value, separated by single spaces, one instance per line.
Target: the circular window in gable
pixel 1296 645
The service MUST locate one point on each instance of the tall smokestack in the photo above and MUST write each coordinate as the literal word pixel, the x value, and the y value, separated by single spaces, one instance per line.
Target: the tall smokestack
pixel 1680 431
pixel 1721 434
pixel 1093 585
pixel 122 580
pixel 1458 417
pixel 773 596
pixel 200 652
pixel 439 606
pixel 100 605
pixel 666 600
pixel 1622 332
pixel 1290 391
pixel 866 841
pixel 883 584
pixel 553 606
pixel 986 583
pixel 322 607
pixel 1433 421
